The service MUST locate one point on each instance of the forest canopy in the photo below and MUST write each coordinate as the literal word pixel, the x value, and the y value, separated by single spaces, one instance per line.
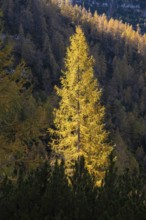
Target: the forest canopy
pixel 36 37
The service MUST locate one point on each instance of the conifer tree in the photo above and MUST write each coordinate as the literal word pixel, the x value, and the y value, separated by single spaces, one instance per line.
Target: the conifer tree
pixel 84 190
pixel 79 118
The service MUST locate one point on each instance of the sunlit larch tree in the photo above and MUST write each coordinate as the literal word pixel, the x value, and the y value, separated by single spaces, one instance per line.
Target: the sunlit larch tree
pixel 79 120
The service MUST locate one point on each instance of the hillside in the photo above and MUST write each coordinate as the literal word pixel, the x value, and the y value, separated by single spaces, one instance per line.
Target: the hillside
pixel 35 38
pixel 41 43
pixel 129 11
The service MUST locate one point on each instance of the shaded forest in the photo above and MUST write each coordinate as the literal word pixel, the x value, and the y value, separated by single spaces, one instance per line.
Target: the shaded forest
pixel 34 38
pixel 47 194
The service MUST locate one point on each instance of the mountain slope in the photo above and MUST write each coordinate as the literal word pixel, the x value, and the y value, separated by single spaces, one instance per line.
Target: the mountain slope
pixel 130 11
pixel 41 33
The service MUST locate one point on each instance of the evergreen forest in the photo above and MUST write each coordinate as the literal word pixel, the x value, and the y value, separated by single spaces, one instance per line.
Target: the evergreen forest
pixel 72 114
pixel 129 11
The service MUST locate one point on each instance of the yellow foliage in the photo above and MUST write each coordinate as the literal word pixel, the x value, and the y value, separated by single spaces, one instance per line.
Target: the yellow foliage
pixel 80 116
pixel 103 26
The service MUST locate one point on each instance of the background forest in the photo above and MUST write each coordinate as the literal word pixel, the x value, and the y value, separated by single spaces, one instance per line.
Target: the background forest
pixel 34 38
pixel 129 11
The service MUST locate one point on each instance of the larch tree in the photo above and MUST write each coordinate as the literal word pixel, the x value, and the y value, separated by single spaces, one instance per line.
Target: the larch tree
pixel 79 120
